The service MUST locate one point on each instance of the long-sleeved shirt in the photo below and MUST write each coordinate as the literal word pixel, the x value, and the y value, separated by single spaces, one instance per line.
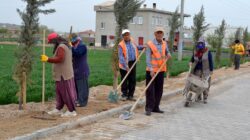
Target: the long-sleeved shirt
pixel 59 57
pixel 238 49
pixel 131 54
pixel 149 52
pixel 80 62
pixel 199 64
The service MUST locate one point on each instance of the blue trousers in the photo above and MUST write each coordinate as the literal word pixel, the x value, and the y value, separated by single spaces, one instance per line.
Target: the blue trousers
pixel 82 89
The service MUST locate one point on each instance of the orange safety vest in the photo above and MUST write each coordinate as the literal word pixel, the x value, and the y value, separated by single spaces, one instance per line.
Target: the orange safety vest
pixel 124 51
pixel 157 58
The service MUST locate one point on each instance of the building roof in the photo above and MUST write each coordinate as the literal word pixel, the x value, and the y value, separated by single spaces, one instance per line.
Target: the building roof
pixel 108 6
pixel 87 32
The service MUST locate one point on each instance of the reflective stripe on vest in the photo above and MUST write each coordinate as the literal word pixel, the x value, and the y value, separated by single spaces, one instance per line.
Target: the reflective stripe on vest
pixel 157 58
pixel 125 51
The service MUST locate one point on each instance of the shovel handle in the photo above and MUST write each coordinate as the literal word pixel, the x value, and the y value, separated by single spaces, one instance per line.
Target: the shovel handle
pixel 150 82
pixel 130 69
pixel 43 77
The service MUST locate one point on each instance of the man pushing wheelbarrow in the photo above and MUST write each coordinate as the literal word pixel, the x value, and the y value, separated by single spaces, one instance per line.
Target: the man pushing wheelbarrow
pixel 199 76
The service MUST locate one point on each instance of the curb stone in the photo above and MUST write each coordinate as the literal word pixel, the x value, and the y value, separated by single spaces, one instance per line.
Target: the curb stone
pixel 102 115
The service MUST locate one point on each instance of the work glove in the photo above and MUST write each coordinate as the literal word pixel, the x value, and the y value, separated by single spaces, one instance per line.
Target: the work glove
pixel 44 58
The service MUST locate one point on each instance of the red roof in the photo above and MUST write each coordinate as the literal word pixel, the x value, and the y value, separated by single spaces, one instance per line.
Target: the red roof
pixel 87 32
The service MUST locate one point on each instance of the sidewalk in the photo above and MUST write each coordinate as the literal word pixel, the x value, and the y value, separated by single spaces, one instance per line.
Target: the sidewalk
pixel 225 117
pixel 170 92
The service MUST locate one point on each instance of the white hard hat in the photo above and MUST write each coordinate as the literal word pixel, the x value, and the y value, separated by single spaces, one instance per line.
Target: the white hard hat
pixel 125 31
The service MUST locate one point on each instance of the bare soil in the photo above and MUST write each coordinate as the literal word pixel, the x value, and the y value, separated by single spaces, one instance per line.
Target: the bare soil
pixel 34 117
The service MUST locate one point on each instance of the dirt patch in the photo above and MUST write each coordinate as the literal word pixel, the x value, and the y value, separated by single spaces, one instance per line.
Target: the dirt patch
pixel 15 123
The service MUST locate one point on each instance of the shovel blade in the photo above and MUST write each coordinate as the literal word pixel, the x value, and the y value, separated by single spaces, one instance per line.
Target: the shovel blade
pixel 126 115
pixel 113 97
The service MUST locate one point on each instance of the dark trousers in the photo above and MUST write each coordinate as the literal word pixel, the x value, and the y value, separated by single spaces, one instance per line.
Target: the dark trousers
pixel 237 61
pixel 82 88
pixel 154 92
pixel 128 86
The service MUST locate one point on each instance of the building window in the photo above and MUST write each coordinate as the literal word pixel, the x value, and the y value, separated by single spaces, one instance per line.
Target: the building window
pixel 157 21
pixel 137 20
pixel 133 20
pixel 167 22
pixel 102 25
pixel 140 20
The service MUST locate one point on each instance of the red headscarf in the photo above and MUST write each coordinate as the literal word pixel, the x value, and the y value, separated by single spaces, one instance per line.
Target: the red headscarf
pixel 199 53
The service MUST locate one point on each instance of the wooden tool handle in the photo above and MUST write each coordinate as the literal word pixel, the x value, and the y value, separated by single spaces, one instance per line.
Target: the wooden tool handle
pixel 130 69
pixel 43 77
pixel 150 82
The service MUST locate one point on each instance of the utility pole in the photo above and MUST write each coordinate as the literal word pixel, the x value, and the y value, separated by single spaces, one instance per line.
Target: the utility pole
pixel 180 44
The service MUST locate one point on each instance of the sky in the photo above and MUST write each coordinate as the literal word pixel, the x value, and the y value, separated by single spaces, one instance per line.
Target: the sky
pixel 81 15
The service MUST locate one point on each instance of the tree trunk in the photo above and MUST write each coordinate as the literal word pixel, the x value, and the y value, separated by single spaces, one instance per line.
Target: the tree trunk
pixel 20 100
pixel 24 85
pixel 22 96
pixel 217 58
pixel 115 80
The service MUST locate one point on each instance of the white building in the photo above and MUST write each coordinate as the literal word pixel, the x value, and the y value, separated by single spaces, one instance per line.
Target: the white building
pixel 141 26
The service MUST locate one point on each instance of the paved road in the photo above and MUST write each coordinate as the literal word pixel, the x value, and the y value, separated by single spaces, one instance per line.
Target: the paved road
pixel 225 117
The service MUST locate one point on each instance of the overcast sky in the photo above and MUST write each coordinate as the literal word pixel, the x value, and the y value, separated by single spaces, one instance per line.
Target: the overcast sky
pixel 80 13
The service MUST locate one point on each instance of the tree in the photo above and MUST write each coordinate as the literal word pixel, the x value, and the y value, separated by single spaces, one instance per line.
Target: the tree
pixel 216 41
pixel 220 32
pixel 174 23
pixel 25 57
pixel 199 26
pixel 245 40
pixel 3 32
pixel 212 40
pixel 124 11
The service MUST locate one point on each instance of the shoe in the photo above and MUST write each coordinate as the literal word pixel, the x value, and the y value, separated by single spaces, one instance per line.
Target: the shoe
pixel 186 104
pixel 69 114
pixel 55 112
pixel 158 111
pixel 148 113
pixel 81 105
pixel 205 101
pixel 123 98
pixel 131 99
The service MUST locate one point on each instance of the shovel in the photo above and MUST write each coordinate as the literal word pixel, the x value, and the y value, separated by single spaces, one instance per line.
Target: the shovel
pixel 113 95
pixel 129 114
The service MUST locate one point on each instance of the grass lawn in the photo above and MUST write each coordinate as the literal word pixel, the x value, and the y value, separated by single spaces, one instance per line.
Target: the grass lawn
pixel 100 72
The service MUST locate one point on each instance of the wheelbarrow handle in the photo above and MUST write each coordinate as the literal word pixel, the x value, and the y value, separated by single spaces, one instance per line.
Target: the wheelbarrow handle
pixel 150 82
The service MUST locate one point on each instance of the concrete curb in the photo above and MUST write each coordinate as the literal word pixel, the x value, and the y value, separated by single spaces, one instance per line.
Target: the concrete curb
pixel 96 117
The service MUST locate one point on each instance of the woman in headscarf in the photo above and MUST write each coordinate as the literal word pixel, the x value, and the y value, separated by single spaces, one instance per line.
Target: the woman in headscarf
pixel 202 66
pixel 63 75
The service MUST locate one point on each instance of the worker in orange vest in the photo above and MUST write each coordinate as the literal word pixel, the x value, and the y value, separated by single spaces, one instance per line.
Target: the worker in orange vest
pixel 128 53
pixel 156 52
